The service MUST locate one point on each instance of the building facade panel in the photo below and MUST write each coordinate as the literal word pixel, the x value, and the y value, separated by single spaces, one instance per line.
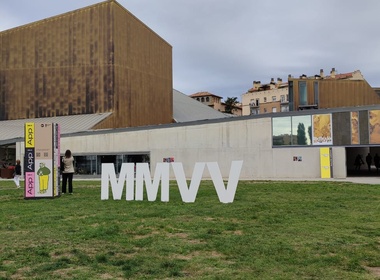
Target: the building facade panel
pixel 142 73
pixel 56 66
pixel 330 93
pixel 97 59
pixel 251 139
pixel 364 127
pixel 343 122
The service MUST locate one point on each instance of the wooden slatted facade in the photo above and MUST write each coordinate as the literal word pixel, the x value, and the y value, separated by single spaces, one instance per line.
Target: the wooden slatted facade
pixel 331 93
pixel 97 59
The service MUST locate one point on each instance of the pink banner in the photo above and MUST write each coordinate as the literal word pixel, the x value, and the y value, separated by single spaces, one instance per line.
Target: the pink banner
pixel 29 184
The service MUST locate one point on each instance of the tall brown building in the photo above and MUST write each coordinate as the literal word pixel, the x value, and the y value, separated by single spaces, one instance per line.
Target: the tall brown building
pixel 93 60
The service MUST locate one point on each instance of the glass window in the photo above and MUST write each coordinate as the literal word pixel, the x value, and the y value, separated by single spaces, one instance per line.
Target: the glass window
pixel 302 89
pixel 316 93
pixel 282 98
pixel 85 165
pixel 265 99
pixel 273 98
pixel 92 164
pixel 281 131
pixel 255 111
pixel 285 108
pixel 291 102
pixel 301 130
pixel 274 109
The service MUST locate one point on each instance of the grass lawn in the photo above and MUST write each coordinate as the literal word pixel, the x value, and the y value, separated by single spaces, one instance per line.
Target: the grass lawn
pixel 273 230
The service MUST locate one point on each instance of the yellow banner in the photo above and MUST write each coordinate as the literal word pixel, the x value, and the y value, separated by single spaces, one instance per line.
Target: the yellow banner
pixel 325 163
pixel 29 135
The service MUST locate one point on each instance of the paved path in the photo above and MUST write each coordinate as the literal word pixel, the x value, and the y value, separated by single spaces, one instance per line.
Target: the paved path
pixel 358 180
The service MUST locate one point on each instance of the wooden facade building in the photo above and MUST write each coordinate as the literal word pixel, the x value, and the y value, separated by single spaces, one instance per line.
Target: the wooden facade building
pixel 336 90
pixel 96 59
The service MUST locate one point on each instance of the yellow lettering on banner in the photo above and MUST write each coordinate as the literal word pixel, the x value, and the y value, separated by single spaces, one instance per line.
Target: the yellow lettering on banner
pixel 325 162
pixel 29 135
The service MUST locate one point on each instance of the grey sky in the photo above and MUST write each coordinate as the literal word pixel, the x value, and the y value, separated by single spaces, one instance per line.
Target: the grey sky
pixel 222 46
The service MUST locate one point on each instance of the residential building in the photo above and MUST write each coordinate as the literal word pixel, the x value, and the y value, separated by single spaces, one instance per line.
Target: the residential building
pixel 98 59
pixel 266 98
pixel 310 92
pixel 215 102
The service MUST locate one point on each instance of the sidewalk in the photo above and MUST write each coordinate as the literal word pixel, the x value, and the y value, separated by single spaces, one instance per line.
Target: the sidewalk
pixel 356 180
pixel 374 180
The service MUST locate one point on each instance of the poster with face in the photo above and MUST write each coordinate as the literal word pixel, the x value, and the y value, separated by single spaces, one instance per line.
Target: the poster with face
pixel 322 129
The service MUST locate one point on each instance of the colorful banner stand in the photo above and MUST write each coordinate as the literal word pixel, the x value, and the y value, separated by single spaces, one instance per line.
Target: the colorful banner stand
pixel 42 160
pixel 325 163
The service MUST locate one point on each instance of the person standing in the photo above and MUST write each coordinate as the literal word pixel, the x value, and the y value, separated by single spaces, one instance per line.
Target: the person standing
pixel 376 160
pixel 358 162
pixel 68 171
pixel 368 159
pixel 17 175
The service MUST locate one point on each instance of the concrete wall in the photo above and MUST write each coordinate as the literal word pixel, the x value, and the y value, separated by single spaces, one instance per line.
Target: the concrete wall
pixel 248 140
pixel 339 162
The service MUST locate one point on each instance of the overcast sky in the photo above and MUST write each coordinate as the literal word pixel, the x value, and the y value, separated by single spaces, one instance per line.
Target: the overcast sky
pixel 222 46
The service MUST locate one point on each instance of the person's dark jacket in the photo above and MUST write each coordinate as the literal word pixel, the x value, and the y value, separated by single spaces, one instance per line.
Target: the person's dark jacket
pixel 18 169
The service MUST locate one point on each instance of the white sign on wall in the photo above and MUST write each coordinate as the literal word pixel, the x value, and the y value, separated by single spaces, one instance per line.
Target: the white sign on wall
pixel 188 193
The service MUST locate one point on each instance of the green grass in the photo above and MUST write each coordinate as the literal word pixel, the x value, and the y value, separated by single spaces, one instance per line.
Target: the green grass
pixel 273 230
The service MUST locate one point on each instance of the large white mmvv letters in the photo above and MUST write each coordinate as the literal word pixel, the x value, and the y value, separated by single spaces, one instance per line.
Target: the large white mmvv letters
pixel 188 193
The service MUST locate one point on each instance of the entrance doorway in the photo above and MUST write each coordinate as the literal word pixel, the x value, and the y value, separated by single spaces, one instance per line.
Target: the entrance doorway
pixel 356 155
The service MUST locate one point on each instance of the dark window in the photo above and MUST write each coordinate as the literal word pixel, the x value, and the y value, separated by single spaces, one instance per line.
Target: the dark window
pixel 302 90
pixel 316 93
pixel 291 102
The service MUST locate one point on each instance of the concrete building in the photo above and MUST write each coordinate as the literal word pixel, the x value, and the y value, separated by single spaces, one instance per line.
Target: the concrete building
pixel 185 110
pixel 271 145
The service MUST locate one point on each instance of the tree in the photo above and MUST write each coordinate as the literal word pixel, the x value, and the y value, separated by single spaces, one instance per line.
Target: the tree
pixel 301 134
pixel 230 104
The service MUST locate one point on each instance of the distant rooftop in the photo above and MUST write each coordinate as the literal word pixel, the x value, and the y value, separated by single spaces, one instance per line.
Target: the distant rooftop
pixel 204 93
pixel 355 75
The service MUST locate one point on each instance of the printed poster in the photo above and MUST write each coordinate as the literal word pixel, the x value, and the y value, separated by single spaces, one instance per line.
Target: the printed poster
pixel 355 139
pixel 374 126
pixel 29 161
pixel 42 158
pixel 322 129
